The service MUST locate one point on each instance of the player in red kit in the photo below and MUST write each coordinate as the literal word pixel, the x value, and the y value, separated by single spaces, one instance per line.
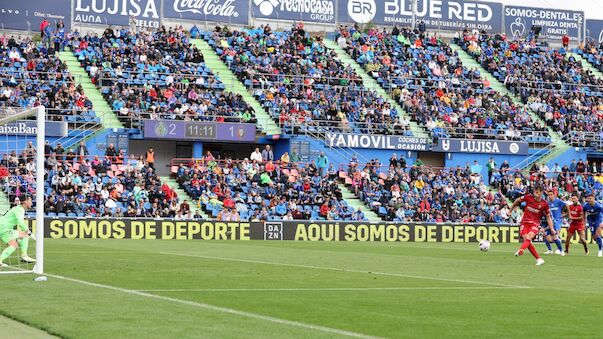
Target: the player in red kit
pixel 575 213
pixel 535 209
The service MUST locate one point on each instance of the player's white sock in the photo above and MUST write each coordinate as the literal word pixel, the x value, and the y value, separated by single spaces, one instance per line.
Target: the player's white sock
pixel 600 253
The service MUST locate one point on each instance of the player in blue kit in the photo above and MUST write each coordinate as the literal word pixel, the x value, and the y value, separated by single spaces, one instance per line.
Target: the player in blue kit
pixel 593 213
pixel 556 206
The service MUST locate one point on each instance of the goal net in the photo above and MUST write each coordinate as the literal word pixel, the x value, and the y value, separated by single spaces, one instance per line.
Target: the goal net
pixel 22 170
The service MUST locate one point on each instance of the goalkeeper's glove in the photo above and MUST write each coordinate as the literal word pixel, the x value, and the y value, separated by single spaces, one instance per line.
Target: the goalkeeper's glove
pixel 31 235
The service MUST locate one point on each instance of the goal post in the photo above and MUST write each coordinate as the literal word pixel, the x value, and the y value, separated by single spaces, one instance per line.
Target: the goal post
pixel 23 172
pixel 40 171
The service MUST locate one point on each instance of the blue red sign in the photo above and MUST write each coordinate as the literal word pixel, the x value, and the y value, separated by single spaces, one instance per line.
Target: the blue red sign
pixel 443 15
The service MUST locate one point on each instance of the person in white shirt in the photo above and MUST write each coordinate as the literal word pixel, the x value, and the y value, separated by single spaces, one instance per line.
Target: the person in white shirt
pixel 544 169
pixel 14 55
pixel 93 70
pixel 110 204
pixel 342 42
pixel 256 155
pixel 169 80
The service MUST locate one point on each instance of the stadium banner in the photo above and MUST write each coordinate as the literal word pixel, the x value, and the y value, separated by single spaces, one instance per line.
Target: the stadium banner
pixel 28 14
pixel 90 228
pixel 594 30
pixel 376 141
pixel 199 130
pixel 169 229
pixel 131 228
pixel 555 23
pixel 481 146
pixel 29 127
pixel 140 13
pixel 390 232
pixel 321 11
pixel 231 11
pixel 443 15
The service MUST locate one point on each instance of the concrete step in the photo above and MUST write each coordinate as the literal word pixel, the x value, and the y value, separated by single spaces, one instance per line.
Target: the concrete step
pixel 371 84
pixel 184 196
pixel 353 201
pixel 99 104
pixel 587 65
pixel 265 121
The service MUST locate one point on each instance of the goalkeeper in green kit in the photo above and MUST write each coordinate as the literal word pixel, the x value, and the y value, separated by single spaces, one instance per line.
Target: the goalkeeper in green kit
pixel 15 238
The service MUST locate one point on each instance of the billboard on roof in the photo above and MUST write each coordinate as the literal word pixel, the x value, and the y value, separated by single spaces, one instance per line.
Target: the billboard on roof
pixel 436 14
pixel 139 13
pixel 296 10
pixel 555 23
pixel 594 30
pixel 28 14
pixel 224 11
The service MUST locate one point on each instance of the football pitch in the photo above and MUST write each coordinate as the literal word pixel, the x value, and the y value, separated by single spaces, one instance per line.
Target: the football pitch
pixel 227 289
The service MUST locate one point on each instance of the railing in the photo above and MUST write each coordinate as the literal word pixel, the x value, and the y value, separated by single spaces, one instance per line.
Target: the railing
pixel 541 153
pixel 592 141
pixel 460 84
pixel 203 161
pixel 292 125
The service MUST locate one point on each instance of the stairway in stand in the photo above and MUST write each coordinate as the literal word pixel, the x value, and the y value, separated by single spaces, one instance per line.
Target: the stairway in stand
pixel 232 83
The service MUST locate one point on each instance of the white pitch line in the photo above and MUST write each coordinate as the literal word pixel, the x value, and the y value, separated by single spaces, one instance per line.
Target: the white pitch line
pixel 354 289
pixel 219 309
pixel 344 270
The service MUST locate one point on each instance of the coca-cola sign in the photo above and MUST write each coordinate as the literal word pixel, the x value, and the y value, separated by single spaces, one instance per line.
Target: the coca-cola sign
pixel 226 11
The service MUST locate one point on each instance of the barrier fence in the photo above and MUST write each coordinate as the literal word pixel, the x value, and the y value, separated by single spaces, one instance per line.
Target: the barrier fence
pixel 88 228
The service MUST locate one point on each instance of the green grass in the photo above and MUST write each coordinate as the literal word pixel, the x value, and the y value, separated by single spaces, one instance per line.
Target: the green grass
pixel 371 289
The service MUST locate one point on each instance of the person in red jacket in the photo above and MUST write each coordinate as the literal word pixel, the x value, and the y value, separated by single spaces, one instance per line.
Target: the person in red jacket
pixel 43 25
pixel 565 40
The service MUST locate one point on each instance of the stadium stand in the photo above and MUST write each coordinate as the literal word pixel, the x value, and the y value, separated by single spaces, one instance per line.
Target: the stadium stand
pixel 98 186
pixel 421 193
pixel 31 76
pixel 581 177
pixel 255 190
pixel 594 54
pixel 157 75
pixel 428 78
pixel 302 83
pixel 554 85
